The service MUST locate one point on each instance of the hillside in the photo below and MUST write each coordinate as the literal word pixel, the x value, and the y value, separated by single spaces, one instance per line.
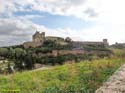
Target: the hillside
pixel 50 53
pixel 80 77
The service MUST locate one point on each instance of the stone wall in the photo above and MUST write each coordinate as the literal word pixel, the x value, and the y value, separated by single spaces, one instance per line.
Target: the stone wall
pixel 115 84
pixel 31 44
pixel 80 44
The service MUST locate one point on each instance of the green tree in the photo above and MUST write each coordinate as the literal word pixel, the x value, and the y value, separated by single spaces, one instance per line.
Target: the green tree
pixel 9 69
pixel 4 52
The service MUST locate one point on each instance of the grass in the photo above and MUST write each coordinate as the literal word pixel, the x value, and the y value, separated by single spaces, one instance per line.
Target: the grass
pixel 83 77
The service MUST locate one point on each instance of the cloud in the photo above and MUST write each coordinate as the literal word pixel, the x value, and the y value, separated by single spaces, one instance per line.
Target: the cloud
pixel 75 8
pixel 108 17
pixel 29 17
pixel 13 31
pixel 91 12
pixel 113 17
pixel 7 7
pixel 64 7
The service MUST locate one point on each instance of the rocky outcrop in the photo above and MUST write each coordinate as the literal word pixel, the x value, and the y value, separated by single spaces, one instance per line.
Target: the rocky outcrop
pixel 115 84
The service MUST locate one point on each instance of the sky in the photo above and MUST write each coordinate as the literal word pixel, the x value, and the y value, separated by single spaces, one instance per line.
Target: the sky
pixel 82 20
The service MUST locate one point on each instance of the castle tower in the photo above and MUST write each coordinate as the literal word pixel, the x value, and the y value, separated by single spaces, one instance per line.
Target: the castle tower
pixel 39 37
pixel 105 41
pixel 43 36
pixel 36 37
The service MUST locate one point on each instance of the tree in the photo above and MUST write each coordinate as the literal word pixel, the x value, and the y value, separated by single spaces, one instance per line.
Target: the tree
pixel 11 53
pixel 68 39
pixel 19 65
pixel 19 52
pixel 28 61
pixel 9 69
pixel 4 52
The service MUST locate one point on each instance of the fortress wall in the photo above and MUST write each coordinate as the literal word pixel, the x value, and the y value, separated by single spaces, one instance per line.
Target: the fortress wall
pixel 65 52
pixel 31 44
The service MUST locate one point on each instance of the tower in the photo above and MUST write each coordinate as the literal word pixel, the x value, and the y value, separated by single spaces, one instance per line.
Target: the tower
pixel 36 37
pixel 39 37
pixel 105 41
pixel 43 36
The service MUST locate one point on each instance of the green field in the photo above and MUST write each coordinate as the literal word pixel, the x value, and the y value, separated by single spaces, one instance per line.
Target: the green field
pixel 83 77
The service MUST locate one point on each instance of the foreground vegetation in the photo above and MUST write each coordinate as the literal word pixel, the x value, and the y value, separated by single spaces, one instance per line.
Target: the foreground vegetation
pixel 80 77
pixel 83 77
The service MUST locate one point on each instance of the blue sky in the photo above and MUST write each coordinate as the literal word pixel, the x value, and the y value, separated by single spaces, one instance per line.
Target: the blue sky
pixel 56 21
pixel 85 20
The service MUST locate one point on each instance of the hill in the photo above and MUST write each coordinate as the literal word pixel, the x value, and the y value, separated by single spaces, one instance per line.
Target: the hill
pixel 49 53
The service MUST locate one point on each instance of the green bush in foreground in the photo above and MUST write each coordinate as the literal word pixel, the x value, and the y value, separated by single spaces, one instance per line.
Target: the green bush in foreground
pixel 83 77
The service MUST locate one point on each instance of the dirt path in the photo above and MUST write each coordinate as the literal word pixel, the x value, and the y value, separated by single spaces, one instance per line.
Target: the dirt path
pixel 115 84
pixel 42 68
